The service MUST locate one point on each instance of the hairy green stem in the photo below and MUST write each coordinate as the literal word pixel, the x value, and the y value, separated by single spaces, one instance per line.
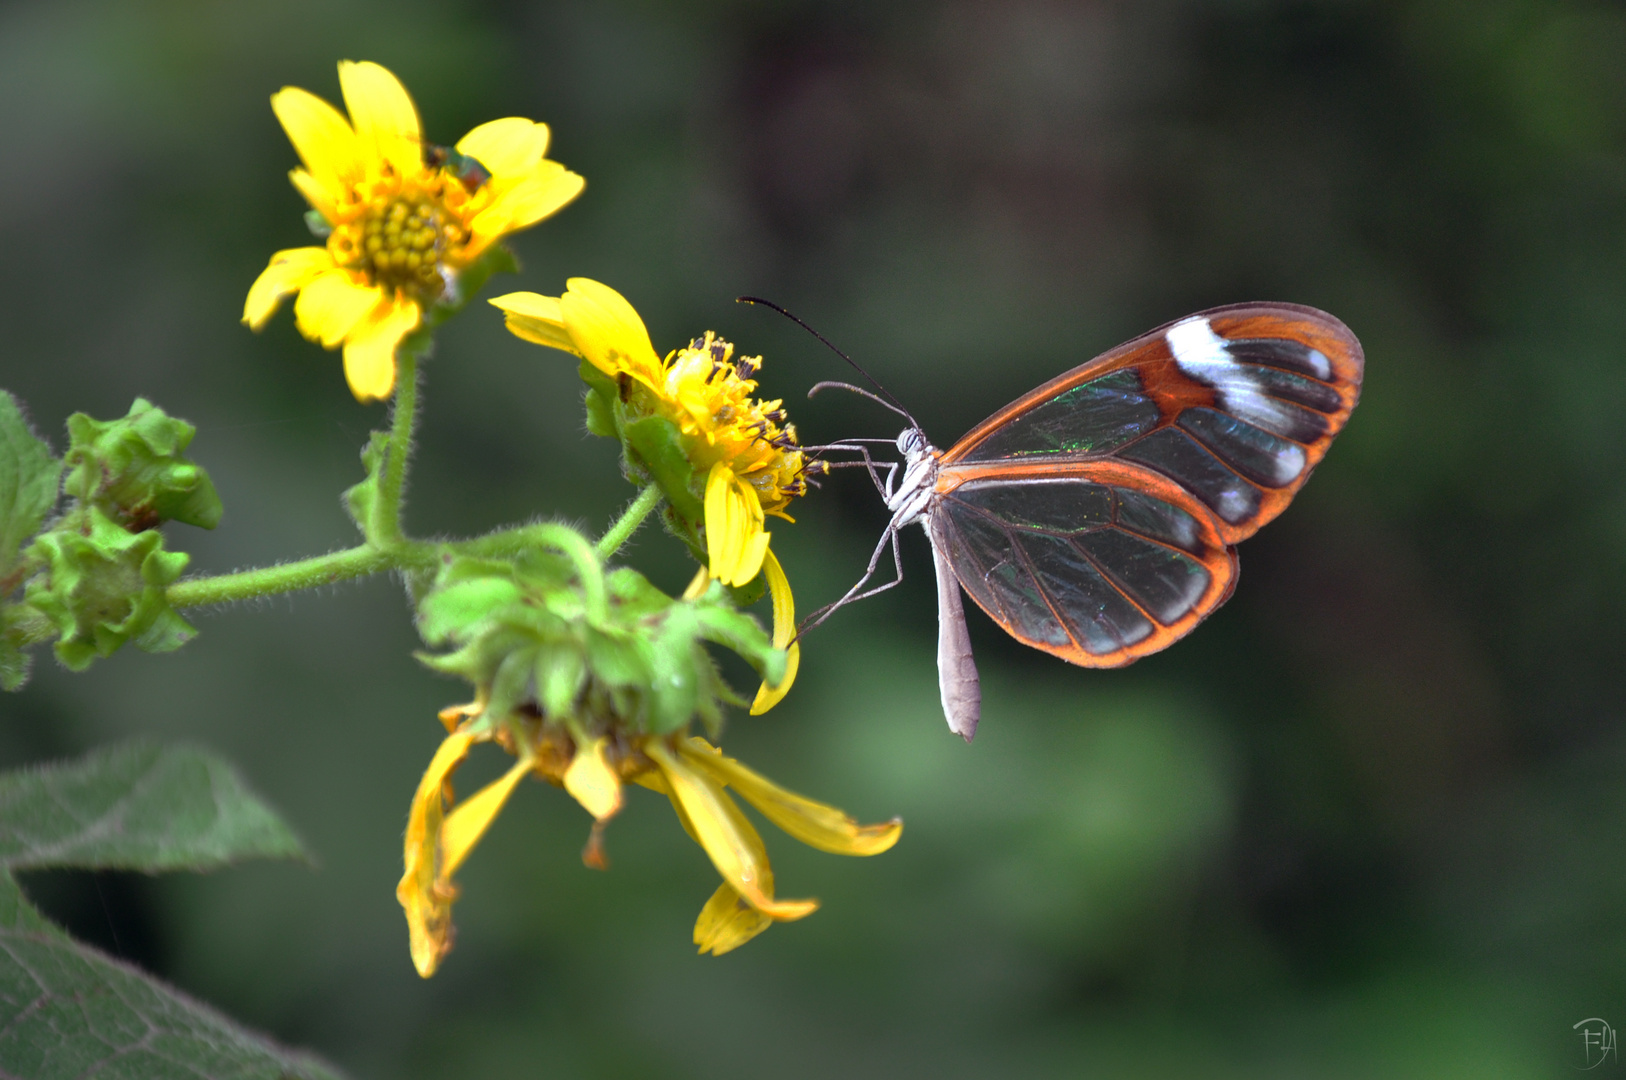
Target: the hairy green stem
pixel 628 523
pixel 384 528
pixel 305 574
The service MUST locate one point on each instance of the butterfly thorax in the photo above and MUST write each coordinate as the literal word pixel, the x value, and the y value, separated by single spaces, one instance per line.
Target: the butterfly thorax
pixel 913 496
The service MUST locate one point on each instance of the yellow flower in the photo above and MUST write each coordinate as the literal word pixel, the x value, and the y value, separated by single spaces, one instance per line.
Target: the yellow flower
pixel 744 447
pixel 406 216
pixel 691 772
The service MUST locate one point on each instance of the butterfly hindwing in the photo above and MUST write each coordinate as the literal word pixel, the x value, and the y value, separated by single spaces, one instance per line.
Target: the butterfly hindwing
pixel 1098 563
pixel 1236 405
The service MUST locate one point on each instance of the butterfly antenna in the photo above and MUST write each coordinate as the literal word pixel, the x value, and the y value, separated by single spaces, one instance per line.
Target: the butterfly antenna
pixel 889 401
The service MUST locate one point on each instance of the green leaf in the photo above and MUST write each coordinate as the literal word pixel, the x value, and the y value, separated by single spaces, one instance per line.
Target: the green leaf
pixel 67 1010
pixel 359 499
pixel 28 485
pixel 137 806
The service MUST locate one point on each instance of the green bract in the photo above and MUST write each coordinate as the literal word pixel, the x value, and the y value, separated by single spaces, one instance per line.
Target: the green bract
pixel 553 632
pixel 132 470
pixel 104 586
pixel 652 452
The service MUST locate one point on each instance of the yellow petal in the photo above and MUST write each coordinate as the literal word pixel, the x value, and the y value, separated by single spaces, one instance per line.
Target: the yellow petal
pixel 697 585
pixel 510 147
pixel 470 819
pixel 718 482
pixel 769 696
pixel 727 922
pixel 288 272
pixel 728 838
pixel 320 198
pixel 607 330
pixel 735 542
pixel 527 202
pixel 369 352
pixel 428 908
pixel 321 136
pixel 784 631
pixel 332 305
pixel 385 120
pixel 536 318
pixel 753 552
pixel 813 823
pixel 592 782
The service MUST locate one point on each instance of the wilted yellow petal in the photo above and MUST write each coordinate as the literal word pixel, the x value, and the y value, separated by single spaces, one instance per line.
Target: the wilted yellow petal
pixel 385 119
pixel 813 823
pixel 728 838
pixel 470 819
pixel 508 148
pixel 592 782
pixel 287 273
pixel 369 352
pixel 321 136
pixel 536 318
pixel 453 715
pixel 784 630
pixel 428 908
pixel 727 922
pixel 608 331
pixel 332 305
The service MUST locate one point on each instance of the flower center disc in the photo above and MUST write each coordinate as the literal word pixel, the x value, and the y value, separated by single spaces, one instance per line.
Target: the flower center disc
pixel 400 243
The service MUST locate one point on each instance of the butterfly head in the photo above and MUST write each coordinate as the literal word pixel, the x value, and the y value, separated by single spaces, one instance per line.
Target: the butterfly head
pixel 913 444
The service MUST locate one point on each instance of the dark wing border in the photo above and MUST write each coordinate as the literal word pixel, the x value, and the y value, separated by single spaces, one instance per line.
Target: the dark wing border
pixel 1215 555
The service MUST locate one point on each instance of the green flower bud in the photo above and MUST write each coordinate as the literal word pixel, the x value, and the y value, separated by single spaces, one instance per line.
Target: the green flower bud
pixel 131 469
pixel 555 636
pixel 104 586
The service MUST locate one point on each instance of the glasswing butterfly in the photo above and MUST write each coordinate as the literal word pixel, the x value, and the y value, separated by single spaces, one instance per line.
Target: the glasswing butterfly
pixel 1097 516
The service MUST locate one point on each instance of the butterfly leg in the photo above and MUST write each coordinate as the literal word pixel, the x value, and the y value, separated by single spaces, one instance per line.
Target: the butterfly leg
pixel 858 592
pixel 868 464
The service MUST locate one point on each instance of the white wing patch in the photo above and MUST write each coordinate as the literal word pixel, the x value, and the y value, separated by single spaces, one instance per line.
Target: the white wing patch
pixel 1201 354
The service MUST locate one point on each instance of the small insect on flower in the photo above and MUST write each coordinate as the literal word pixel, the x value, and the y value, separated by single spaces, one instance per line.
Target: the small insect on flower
pixel 402 219
pixel 466 167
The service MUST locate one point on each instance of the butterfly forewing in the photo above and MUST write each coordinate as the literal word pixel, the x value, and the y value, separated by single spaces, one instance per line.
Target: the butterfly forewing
pixel 1098 570
pixel 1236 405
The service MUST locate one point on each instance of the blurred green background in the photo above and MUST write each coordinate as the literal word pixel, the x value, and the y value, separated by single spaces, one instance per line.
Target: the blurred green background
pixel 1367 821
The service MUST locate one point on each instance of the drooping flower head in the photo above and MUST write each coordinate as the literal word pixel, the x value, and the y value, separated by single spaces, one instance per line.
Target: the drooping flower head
pixel 591 679
pixel 737 461
pixel 691 772
pixel 403 218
